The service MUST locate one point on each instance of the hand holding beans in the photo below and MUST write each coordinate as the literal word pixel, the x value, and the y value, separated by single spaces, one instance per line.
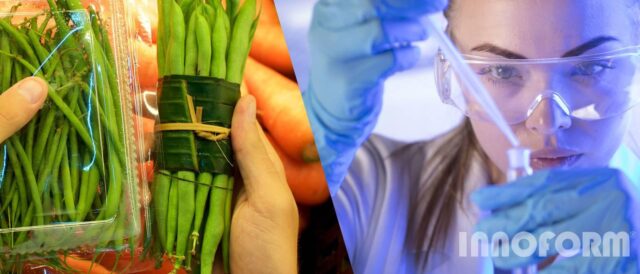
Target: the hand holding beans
pixel 264 229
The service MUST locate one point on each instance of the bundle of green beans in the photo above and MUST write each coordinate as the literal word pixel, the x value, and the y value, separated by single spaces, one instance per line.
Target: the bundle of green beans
pixel 69 164
pixel 193 183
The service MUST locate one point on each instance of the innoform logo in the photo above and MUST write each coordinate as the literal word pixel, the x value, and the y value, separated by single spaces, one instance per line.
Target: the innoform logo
pixel 525 244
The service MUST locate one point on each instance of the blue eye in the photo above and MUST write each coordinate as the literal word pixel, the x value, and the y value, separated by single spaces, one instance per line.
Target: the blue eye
pixel 593 68
pixel 500 72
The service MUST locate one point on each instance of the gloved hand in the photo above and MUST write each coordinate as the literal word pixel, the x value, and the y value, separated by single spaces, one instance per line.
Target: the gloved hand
pixel 355 45
pixel 559 201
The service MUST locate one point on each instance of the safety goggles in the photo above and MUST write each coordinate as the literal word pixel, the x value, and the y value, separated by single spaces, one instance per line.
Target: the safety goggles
pixel 590 87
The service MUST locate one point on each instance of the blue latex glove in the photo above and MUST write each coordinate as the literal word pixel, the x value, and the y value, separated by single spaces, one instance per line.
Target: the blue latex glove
pixel 355 45
pixel 584 200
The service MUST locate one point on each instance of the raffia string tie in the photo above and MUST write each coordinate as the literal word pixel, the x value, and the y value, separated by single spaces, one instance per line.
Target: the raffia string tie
pixel 209 132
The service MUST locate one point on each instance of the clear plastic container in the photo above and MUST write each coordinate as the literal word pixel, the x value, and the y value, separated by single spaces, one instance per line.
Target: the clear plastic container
pixel 68 179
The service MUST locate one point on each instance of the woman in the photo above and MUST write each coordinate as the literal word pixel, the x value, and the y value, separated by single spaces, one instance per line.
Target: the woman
pixel 403 207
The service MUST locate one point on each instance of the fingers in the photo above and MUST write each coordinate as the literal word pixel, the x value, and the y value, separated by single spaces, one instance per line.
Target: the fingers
pixel 260 167
pixel 19 104
pixel 549 240
pixel 364 78
pixel 409 8
pixel 537 212
pixel 340 14
pixel 389 9
pixel 379 67
pixel 547 181
pixel 360 39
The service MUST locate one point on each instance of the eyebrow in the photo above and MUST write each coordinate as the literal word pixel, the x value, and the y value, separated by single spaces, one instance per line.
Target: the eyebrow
pixel 487 47
pixel 579 50
pixel 591 44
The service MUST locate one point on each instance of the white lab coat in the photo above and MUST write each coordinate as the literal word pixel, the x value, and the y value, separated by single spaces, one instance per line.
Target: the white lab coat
pixel 382 193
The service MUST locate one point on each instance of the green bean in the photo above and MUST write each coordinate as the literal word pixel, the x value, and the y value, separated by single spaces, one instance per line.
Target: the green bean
pixel 20 39
pixel 176 43
pixel 226 240
pixel 69 199
pixel 30 135
pixel 186 207
pixel 187 8
pixel 88 188
pixel 203 37
pixel 10 190
pixel 19 178
pixel 45 22
pixel 5 64
pixel 209 13
pixel 239 45
pixel 17 152
pixel 14 206
pixel 214 227
pixel 84 184
pixel 44 174
pixel 61 152
pixel 74 5
pixel 74 161
pixel 172 214
pixel 47 207
pixel 162 185
pixel 232 9
pixel 191 49
pixel 8 178
pixel 161 39
pixel 114 189
pixel 40 51
pixel 43 137
pixel 17 71
pixel 55 191
pixel 205 180
pixel 103 60
pixel 220 43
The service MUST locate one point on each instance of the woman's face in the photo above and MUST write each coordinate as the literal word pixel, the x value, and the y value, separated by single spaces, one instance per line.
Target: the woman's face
pixel 546 29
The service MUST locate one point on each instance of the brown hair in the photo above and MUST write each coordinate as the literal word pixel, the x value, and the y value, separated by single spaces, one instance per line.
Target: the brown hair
pixel 444 193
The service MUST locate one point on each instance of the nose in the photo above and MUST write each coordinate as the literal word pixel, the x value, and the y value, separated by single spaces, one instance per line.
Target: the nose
pixel 548 114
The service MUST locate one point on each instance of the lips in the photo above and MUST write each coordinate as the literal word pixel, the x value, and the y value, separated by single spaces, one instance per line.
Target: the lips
pixel 554 158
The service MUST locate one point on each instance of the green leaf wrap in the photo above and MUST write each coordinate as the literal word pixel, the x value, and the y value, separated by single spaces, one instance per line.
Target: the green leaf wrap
pixel 184 150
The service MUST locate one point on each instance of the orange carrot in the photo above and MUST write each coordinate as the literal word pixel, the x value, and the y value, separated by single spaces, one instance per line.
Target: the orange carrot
pixel 147 68
pixel 145 19
pixel 281 111
pixel 83 266
pixel 269 15
pixel 270 48
pixel 306 180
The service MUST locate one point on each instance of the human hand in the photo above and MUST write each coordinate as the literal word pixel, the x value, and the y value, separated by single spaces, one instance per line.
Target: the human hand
pixel 19 104
pixel 553 202
pixel 355 45
pixel 264 229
